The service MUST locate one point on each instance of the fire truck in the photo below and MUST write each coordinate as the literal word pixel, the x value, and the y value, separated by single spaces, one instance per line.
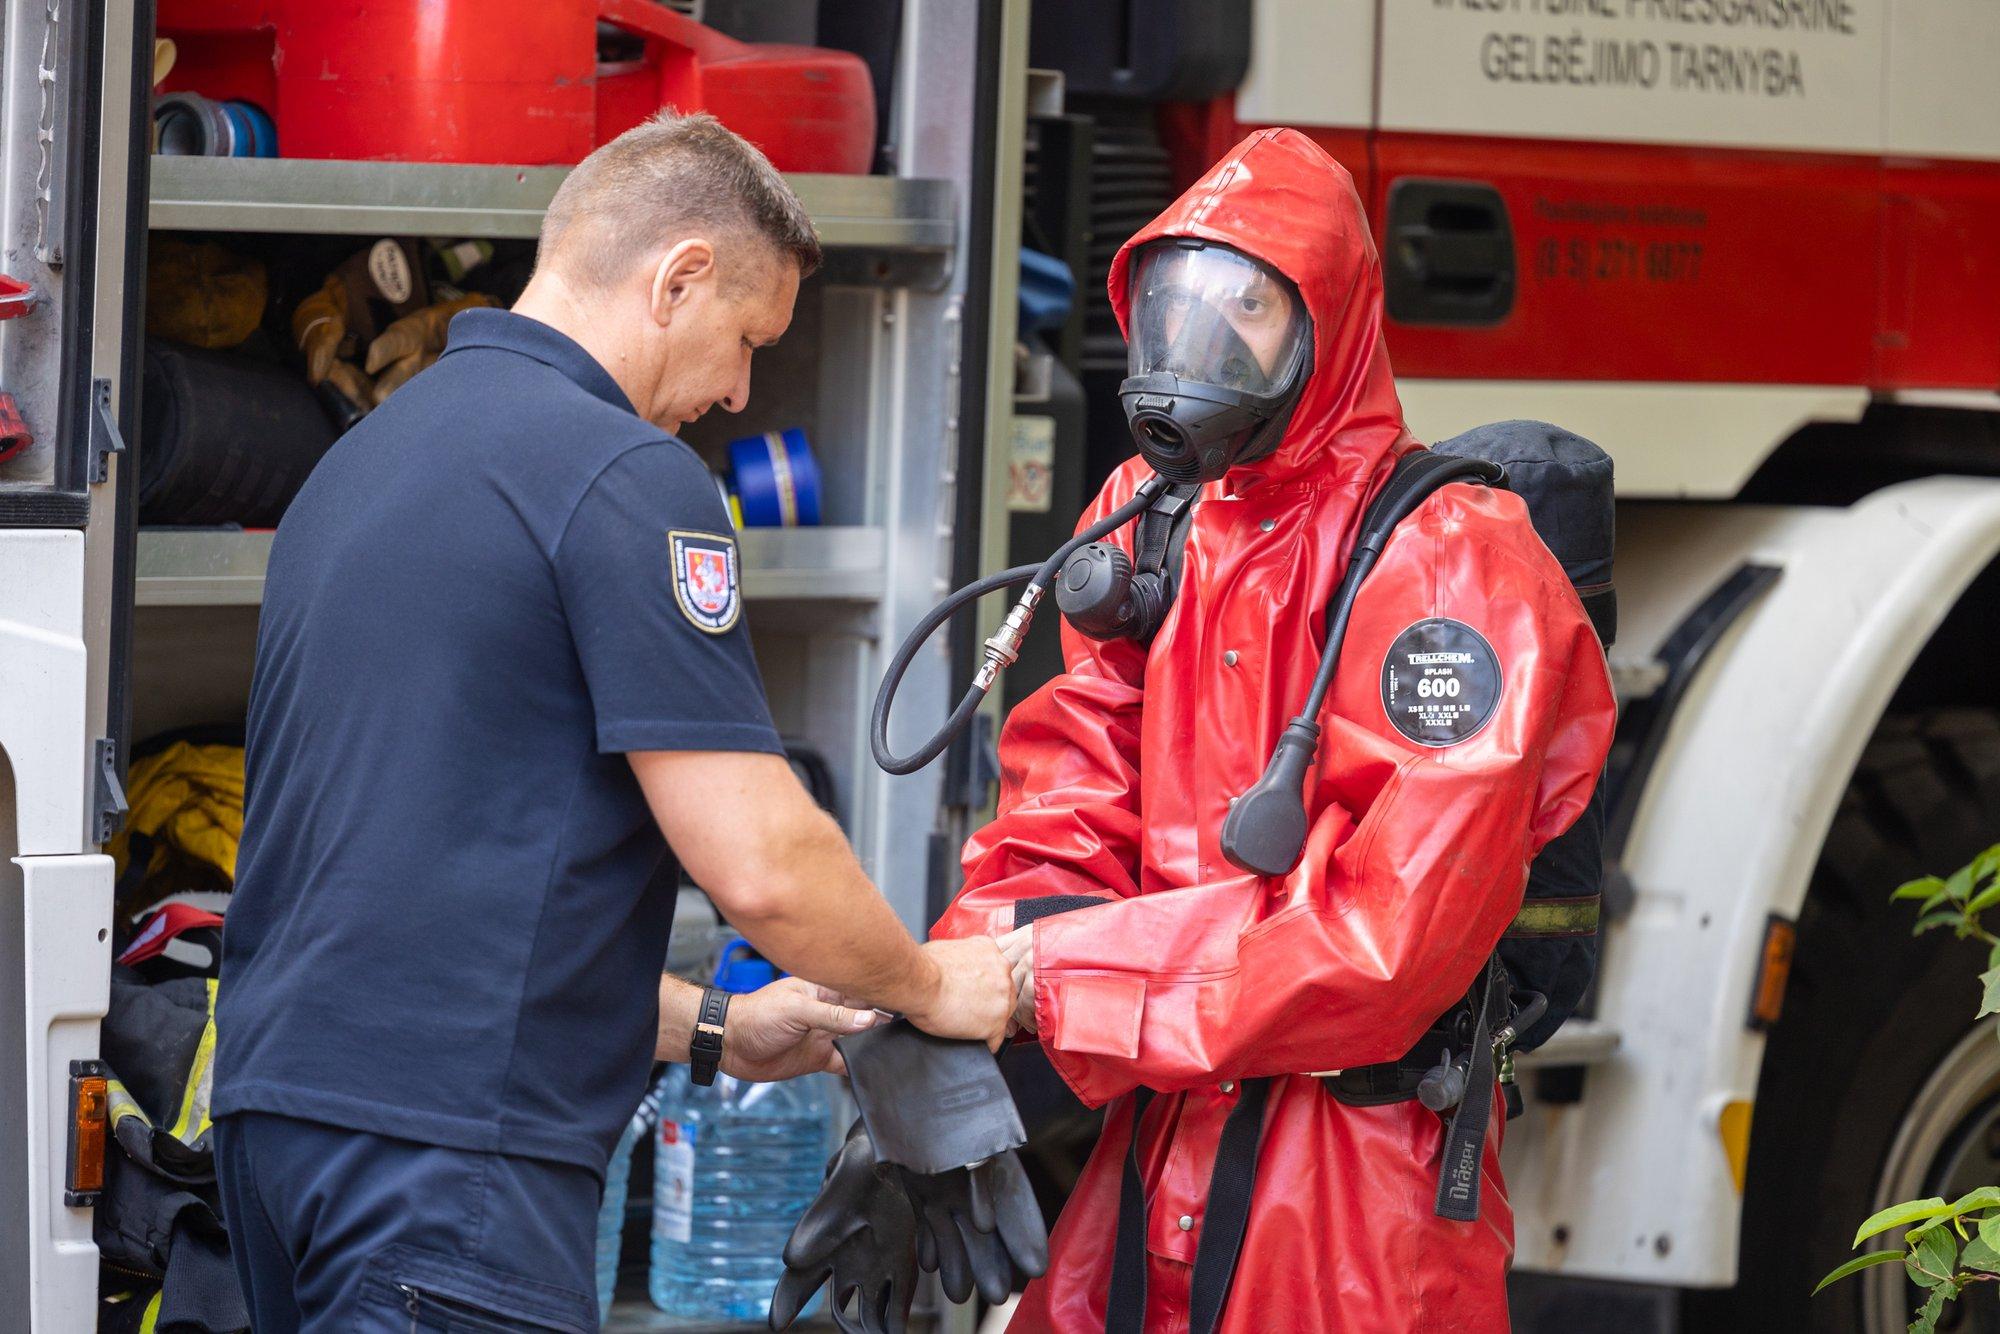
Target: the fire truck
pixel 1746 246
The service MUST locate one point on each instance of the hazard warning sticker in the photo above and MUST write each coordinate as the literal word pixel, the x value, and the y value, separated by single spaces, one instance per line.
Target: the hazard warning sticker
pixel 705 581
pixel 1440 682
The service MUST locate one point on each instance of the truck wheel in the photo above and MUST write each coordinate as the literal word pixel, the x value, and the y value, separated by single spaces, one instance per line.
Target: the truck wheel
pixel 1877 1086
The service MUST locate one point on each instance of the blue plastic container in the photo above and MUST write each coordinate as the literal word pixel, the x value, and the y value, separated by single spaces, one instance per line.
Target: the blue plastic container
pixel 611 1214
pixel 776 479
pixel 734 1165
pixel 1046 294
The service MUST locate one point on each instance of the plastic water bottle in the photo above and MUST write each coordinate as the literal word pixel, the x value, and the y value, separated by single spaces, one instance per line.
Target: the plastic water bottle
pixel 734 1166
pixel 611 1214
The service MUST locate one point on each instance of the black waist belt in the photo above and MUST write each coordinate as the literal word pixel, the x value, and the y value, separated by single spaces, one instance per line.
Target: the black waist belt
pixel 1464 1037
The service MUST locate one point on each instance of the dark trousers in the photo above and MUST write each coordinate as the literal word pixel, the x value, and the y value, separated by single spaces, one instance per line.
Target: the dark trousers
pixel 338 1229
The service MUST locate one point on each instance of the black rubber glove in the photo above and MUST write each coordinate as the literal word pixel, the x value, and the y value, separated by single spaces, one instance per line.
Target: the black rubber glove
pixel 940 1111
pixel 979 1227
pixel 860 1231
pixel 931 1103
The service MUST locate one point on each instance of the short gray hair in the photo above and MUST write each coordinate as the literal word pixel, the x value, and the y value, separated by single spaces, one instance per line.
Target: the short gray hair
pixel 672 177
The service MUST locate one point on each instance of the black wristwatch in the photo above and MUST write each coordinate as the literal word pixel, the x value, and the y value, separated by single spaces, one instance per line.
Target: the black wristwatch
pixel 705 1048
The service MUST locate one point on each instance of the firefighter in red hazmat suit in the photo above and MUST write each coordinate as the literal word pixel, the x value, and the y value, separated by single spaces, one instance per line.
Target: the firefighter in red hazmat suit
pixel 1165 968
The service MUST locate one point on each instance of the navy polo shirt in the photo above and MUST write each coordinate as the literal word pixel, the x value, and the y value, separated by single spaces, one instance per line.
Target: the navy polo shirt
pixel 452 902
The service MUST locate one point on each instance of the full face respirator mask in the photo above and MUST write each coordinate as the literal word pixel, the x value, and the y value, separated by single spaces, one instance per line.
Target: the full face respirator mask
pixel 1220 348
pixel 1219 352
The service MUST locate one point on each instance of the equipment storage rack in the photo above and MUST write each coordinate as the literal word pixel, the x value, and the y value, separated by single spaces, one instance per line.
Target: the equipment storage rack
pixel 890 367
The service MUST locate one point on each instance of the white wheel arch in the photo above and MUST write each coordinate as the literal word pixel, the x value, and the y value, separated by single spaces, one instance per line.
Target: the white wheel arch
pixel 1634 1178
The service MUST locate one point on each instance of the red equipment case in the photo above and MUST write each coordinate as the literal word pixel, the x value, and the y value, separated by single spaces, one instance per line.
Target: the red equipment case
pixel 514 82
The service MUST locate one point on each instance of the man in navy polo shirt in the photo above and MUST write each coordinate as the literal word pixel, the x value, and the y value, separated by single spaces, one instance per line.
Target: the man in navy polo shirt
pixel 503 685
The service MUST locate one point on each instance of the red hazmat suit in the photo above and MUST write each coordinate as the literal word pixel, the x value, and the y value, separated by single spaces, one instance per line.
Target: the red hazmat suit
pixel 1193 975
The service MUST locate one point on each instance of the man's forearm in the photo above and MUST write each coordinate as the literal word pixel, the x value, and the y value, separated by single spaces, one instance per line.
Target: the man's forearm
pixel 822 919
pixel 680 1002
pixel 780 871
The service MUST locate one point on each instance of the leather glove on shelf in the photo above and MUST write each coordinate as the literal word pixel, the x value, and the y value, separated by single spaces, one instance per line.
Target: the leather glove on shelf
pixel 861 1233
pixel 319 327
pixel 413 343
pixel 979 1227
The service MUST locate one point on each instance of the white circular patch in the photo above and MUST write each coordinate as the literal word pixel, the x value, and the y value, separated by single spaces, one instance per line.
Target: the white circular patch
pixel 389 268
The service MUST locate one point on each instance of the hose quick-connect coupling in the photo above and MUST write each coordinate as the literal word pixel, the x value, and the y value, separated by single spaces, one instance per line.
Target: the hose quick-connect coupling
pixel 1005 645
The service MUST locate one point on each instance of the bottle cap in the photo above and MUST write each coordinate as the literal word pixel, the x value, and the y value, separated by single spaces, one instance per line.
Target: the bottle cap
pixel 742 969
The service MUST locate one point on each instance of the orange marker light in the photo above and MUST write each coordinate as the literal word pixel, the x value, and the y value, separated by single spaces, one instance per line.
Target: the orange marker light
pixel 90 1100
pixel 1774 969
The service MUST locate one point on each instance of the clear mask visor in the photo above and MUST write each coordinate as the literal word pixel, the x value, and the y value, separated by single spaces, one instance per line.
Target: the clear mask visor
pixel 1214 316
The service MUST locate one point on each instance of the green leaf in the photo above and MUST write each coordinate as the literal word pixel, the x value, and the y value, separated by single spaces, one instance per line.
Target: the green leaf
pixel 1928 1313
pixel 1984 899
pixel 1931 921
pixel 1910 1211
pixel 1916 1234
pixel 1959 884
pixel 1993 955
pixel 1979 1255
pixel 1989 1232
pixel 1986 1197
pixel 1930 903
pixel 1859 1263
pixel 1934 1259
pixel 1918 889
pixel 1989 1001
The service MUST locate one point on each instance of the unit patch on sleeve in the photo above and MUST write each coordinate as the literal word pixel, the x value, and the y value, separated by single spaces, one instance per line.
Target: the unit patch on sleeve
pixel 705 579
pixel 1440 682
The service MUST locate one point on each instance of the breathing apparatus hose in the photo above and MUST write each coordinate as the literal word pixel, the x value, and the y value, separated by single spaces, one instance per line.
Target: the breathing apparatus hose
pixel 1265 829
pixel 1001 650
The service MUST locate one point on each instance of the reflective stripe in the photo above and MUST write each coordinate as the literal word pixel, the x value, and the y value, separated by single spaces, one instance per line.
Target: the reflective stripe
pixel 151 1319
pixel 1555 917
pixel 123 1105
pixel 781 478
pixel 191 1126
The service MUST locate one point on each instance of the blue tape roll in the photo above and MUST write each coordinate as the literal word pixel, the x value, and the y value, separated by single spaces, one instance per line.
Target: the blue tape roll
pixel 254 134
pixel 777 479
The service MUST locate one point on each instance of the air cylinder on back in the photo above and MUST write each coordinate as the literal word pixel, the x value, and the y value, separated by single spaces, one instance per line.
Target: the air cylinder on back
pixel 1567 484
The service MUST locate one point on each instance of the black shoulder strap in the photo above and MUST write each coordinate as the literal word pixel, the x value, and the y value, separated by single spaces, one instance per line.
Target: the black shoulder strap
pixel 1224 1220
pixel 1417 474
pixel 1162 529
pixel 1227 1215
pixel 1125 1304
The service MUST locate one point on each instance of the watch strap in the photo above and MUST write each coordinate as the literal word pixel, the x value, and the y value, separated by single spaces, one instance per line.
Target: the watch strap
pixel 705 1047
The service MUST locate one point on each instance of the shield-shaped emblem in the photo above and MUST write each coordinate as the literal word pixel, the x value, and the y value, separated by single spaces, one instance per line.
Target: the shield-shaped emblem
pixel 705 579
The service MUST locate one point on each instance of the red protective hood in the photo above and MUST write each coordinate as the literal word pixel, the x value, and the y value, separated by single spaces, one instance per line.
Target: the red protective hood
pixel 1278 197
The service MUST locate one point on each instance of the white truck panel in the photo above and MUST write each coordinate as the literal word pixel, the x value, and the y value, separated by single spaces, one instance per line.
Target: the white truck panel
pixel 1695 440
pixel 1634 1176
pixel 43 720
pixel 1310 64
pixel 1900 77
pixel 1724 73
pixel 1942 99
pixel 66 913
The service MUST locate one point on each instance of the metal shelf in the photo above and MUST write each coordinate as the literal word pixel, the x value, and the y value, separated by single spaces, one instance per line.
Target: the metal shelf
pixel 205 567
pixel 431 199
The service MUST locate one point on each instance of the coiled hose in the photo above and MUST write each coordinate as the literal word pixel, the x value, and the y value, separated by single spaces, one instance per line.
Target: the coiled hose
pixel 1000 650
